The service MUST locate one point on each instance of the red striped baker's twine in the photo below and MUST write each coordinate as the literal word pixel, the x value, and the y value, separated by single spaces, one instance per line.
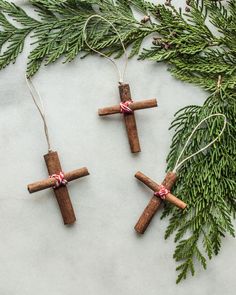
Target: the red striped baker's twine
pixel 162 193
pixel 60 179
pixel 125 107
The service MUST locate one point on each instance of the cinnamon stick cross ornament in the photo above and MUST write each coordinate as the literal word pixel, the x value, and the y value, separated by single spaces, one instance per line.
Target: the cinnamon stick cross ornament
pixel 58 181
pixel 127 108
pixel 161 192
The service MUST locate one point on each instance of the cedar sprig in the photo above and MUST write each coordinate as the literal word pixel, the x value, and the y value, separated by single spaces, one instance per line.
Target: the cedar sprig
pixel 58 31
pixel 206 183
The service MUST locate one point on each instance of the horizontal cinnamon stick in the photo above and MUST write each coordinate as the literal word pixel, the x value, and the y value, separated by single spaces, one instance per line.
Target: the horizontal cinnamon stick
pixel 50 182
pixel 156 187
pixel 136 105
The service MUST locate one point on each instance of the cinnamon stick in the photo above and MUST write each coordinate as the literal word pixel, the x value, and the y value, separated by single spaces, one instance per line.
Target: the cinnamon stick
pixel 61 193
pixel 134 106
pixel 130 122
pixel 155 202
pixel 170 179
pixel 147 215
pixel 50 182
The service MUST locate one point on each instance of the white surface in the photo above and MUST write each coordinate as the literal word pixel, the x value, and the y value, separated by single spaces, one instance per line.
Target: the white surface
pixel 101 254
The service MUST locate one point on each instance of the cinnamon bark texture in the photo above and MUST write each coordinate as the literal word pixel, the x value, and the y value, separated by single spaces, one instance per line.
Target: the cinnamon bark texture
pixel 134 106
pixel 155 202
pixel 130 122
pixel 147 215
pixel 61 193
pixel 50 182
pixel 127 108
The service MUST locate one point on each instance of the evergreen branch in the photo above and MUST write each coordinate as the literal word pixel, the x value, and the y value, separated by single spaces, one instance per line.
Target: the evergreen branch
pixel 211 199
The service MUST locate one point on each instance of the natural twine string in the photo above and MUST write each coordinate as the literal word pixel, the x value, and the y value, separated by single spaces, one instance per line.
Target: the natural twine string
pixel 178 163
pixel 121 74
pixel 36 97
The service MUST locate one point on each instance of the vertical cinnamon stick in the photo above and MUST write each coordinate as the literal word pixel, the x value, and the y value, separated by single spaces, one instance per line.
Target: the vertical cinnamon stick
pixel 154 203
pixel 147 215
pixel 170 180
pixel 61 193
pixel 130 122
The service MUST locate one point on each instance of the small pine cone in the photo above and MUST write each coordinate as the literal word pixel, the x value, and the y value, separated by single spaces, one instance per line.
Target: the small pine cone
pixel 187 9
pixel 173 34
pixel 156 41
pixel 168 2
pixel 165 45
pixel 145 19
pixel 158 14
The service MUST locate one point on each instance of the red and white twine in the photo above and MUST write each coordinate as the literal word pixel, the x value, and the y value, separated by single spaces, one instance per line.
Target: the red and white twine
pixel 60 179
pixel 125 107
pixel 162 193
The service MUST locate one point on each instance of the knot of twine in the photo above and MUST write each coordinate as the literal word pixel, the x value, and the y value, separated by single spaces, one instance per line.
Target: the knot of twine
pixel 60 179
pixel 162 193
pixel 125 107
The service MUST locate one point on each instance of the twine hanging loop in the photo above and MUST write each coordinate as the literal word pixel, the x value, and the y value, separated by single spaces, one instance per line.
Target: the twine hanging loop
pixel 178 163
pixel 120 73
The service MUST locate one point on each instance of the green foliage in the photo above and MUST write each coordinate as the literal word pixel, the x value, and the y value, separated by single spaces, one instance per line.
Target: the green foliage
pixel 59 29
pixel 12 38
pixel 206 182
pixel 200 48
